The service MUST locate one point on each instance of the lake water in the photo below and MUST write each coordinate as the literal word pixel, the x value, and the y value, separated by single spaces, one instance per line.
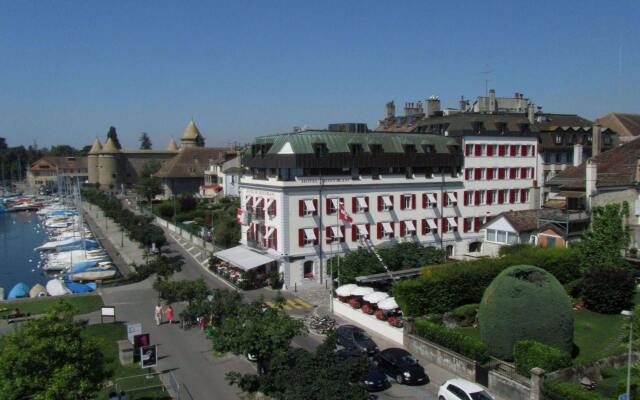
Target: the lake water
pixel 20 232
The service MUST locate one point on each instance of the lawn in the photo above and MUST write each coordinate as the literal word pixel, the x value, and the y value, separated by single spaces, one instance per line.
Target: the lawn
pixel 109 334
pixel 83 304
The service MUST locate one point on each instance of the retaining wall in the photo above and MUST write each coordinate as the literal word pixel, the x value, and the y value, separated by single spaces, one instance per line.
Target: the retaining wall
pixel 368 321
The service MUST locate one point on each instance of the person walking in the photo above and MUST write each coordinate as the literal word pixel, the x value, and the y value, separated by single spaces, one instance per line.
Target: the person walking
pixel 168 312
pixel 158 314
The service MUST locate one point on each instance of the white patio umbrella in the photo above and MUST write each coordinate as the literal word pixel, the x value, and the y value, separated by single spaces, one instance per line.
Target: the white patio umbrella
pixel 345 290
pixel 388 304
pixel 375 297
pixel 362 291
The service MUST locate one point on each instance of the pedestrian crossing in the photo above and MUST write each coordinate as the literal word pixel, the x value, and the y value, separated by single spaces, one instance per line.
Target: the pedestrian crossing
pixel 290 304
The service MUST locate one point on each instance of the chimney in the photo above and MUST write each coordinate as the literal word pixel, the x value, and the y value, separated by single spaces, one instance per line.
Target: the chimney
pixel 596 140
pixel 577 154
pixel 531 114
pixel 463 104
pixel 433 106
pixel 591 179
pixel 391 109
pixel 493 107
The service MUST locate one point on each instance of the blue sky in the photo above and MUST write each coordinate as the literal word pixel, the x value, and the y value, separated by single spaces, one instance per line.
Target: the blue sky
pixel 70 69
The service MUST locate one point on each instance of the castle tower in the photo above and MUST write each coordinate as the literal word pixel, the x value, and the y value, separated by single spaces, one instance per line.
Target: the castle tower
pixel 191 136
pixel 108 162
pixel 172 145
pixel 92 162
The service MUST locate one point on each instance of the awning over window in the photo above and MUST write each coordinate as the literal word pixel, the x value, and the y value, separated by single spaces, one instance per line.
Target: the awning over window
pixel 269 232
pixel 387 227
pixel 409 226
pixel 362 229
pixel 362 202
pixel 269 203
pixel 451 196
pixel 309 205
pixel 243 258
pixel 452 222
pixel 335 203
pixel 432 198
pixel 387 201
pixel 309 234
pixel 335 230
pixel 432 224
pixel 258 202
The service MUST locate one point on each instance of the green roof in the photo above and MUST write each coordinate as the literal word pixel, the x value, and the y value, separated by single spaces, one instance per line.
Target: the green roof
pixel 338 142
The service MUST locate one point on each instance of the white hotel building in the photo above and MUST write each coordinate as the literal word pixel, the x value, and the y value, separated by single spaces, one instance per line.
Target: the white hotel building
pixel 431 189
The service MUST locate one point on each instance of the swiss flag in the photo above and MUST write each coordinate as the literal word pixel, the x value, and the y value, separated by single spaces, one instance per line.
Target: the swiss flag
pixel 342 214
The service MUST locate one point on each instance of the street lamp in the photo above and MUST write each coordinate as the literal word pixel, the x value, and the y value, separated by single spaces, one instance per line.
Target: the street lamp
pixel 630 314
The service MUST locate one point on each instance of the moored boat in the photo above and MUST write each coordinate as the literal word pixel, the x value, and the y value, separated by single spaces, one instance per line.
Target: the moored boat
pixel 18 291
pixel 38 291
pixel 93 275
pixel 56 287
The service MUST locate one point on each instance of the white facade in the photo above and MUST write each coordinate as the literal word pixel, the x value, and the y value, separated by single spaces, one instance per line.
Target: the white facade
pixel 443 211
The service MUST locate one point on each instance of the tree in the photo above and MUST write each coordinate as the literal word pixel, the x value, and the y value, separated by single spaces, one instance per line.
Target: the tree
pixel 408 255
pixel 608 290
pixel 113 135
pixel 50 358
pixel 145 142
pixel 149 186
pixel 3 144
pixel 603 245
pixel 63 150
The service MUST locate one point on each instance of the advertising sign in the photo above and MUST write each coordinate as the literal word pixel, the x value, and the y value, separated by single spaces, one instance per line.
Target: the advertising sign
pixel 148 356
pixel 133 329
pixel 140 341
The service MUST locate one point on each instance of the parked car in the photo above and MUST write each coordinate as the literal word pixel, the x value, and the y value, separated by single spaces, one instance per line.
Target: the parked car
pixel 400 365
pixel 352 337
pixel 457 389
pixel 374 380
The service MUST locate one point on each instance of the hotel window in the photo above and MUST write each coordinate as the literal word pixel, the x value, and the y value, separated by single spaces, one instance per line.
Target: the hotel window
pixel 452 199
pixel 387 230
pixel 483 150
pixel 361 204
pixel 308 207
pixel 431 200
pixel 469 197
pixel 482 197
pixel 483 174
pixel 495 173
pixel 407 202
pixel 558 138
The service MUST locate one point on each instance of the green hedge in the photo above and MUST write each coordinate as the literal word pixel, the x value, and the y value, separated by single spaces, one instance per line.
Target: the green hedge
pixel 443 287
pixel 465 345
pixel 557 390
pixel 530 354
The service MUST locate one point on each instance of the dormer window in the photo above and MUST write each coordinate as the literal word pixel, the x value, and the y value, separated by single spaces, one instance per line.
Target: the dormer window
pixel 501 127
pixel 355 148
pixel 428 148
pixel 376 148
pixel 523 127
pixel 477 126
pixel 320 149
pixel 409 148
pixel 558 138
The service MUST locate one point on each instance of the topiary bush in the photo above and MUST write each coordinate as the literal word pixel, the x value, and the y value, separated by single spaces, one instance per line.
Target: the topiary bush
pixel 465 345
pixel 525 303
pixel 608 290
pixel 529 354
pixel 558 390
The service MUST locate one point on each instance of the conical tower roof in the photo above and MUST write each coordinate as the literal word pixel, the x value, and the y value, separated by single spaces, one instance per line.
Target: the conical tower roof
pixel 191 132
pixel 96 147
pixel 172 145
pixel 109 147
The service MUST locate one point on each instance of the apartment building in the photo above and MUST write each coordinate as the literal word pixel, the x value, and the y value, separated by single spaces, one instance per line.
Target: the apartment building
pixel 430 189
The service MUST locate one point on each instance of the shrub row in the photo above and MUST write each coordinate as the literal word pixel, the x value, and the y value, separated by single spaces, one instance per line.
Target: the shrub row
pixel 139 228
pixel 443 287
pixel 465 345
pixel 558 390
pixel 529 354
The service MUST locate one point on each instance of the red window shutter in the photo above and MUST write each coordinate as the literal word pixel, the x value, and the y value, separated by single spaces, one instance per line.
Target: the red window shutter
pixel 342 230
pixel 300 237
pixel 413 202
pixel 512 196
pixel 489 174
pixel 477 150
pixel 424 226
pixel 523 195
pixel 424 200
pixel 403 228
pixel 393 228
pixel 466 197
pixel 523 150
pixel 489 196
pixel 329 206
pixel 445 225
pixel 500 173
pixel 490 150
pixel 501 150
pixel 316 231
pixel 315 205
pixel 476 198
pixel 523 173
pixel 467 150
pixel 392 200
pixel 533 152
pixel 467 173
pixel 274 208
pixel 379 230
pixel 354 204
pixel 476 224
pixel 466 225
pixel 512 173
pixel 274 241
pixel 500 196
pixel 402 199
pixel 380 206
pixel 354 233
pixel 367 227
pixel 300 208
pixel 328 233
pixel 366 200
pixel 478 174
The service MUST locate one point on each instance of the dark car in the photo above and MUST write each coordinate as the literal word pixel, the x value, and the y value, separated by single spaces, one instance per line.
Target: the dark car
pixel 352 337
pixel 374 380
pixel 400 365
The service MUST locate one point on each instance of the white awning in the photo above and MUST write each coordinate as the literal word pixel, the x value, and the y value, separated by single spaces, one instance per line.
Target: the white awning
pixel 269 232
pixel 451 196
pixel 362 202
pixel 309 234
pixel 258 201
pixel 243 258
pixel 269 202
pixel 452 222
pixel 432 224
pixel 409 226
pixel 362 229
pixel 387 227
pixel 432 198
pixel 387 201
pixel 336 231
pixel 309 205
pixel 335 203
